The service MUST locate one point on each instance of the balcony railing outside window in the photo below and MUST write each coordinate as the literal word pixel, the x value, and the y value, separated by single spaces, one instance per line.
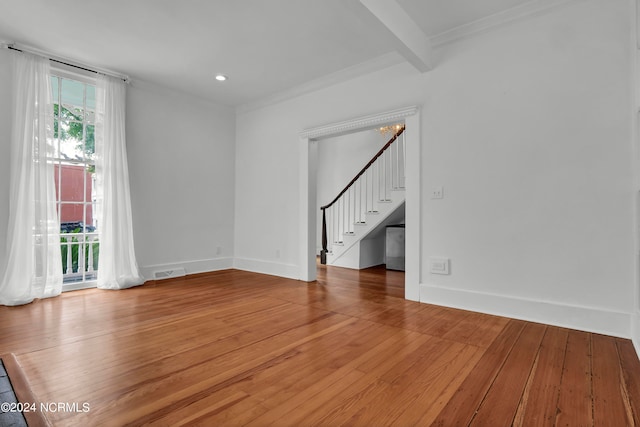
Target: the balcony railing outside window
pixel 80 255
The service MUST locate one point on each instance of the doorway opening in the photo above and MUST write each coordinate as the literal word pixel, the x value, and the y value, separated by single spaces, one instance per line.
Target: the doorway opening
pixel 360 183
pixel 310 214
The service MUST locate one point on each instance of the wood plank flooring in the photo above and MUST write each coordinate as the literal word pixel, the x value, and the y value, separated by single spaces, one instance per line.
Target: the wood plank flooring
pixel 237 348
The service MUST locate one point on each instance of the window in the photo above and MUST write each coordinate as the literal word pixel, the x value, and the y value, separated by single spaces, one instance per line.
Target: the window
pixel 74 105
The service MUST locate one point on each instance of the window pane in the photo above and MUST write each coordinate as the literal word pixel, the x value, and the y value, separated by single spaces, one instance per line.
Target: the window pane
pixel 90 223
pixel 72 183
pixel 73 93
pixel 52 148
pixel 71 217
pixel 54 90
pixel 56 176
pixel 90 108
pixel 70 135
pixel 90 142
pixel 69 112
pixel 72 100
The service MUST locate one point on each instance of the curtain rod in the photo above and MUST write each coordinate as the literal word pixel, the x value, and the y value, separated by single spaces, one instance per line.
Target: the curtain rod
pixel 12 46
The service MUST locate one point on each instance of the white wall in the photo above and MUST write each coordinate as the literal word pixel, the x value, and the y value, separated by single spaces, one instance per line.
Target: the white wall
pixel 181 163
pixel 549 184
pixel 635 67
pixel 527 128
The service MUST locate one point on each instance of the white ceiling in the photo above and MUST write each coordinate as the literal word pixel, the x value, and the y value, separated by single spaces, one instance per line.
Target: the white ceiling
pixel 264 46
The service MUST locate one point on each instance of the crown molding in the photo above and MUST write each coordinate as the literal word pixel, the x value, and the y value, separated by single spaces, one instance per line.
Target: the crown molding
pixel 375 64
pixel 359 123
pixel 518 13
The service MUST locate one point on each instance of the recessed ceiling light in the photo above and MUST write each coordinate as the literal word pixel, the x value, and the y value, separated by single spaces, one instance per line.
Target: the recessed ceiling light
pixel 221 77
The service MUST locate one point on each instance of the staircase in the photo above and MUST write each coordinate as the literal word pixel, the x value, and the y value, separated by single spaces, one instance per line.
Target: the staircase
pixel 368 203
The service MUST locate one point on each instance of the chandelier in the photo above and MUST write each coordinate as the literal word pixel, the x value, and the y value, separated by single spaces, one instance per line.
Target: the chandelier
pixel 390 129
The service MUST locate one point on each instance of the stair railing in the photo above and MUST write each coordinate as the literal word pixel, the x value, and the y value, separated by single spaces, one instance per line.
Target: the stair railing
pixel 384 173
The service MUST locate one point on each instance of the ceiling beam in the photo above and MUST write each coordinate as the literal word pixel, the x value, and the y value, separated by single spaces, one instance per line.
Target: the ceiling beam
pixel 407 36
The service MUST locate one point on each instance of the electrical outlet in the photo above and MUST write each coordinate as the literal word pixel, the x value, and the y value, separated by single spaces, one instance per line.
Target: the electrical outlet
pixel 437 193
pixel 439 265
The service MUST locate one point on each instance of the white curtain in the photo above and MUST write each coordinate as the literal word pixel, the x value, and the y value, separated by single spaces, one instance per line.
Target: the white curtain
pixel 34 264
pixel 117 267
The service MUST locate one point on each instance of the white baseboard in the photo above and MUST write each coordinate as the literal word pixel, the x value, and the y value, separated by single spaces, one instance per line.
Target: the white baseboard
pixel 289 271
pixel 588 319
pixel 191 267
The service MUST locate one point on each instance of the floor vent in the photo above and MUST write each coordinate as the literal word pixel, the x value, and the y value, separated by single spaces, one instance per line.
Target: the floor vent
pixel 166 274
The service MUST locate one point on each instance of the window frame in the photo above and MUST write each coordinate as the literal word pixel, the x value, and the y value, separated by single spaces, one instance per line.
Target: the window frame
pixel 84 279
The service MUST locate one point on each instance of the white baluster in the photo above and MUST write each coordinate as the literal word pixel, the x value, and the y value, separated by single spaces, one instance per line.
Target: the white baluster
pixel 347 225
pixel 90 260
pixel 373 181
pixel 332 228
pixel 367 180
pixel 355 206
pixel 391 168
pixel 388 153
pixel 389 172
pixel 362 194
pixel 360 200
pixel 81 249
pixel 396 163
pixel 404 161
pixel 348 212
pixel 349 221
pixel 379 162
pixel 386 175
pixel 384 171
pixel 352 223
pixel 356 202
pixel 385 159
pixel 69 256
pixel 344 215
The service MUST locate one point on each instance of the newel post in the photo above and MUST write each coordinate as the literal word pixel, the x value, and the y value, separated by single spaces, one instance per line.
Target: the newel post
pixel 323 253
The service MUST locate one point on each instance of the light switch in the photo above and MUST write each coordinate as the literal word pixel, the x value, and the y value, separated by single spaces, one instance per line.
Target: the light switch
pixel 437 193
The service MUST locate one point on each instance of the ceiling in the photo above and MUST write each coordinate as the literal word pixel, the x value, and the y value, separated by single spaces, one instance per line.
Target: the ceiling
pixel 265 47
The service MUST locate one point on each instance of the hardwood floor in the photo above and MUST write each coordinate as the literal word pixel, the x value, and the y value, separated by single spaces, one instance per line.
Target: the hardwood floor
pixel 237 348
